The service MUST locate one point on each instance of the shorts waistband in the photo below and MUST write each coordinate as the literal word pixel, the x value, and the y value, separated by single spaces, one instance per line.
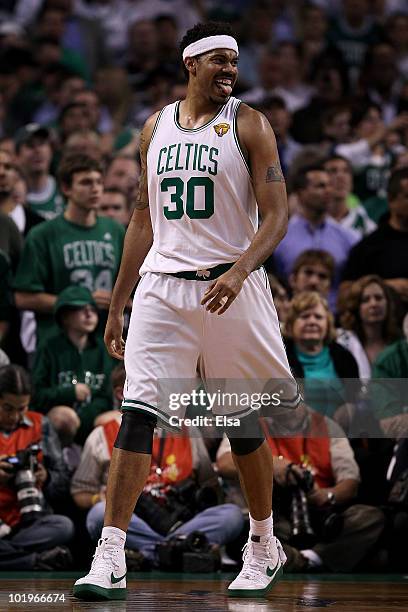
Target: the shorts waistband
pixel 205 274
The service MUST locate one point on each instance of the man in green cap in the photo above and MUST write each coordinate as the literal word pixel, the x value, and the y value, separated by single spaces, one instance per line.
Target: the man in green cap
pixel 73 368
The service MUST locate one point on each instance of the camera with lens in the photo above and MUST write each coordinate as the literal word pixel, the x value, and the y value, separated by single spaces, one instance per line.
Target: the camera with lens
pixel 30 498
pixel 308 526
pixel 165 507
pixel 188 553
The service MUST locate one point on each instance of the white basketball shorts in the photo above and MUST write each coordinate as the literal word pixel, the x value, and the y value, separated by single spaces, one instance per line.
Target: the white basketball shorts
pixel 173 343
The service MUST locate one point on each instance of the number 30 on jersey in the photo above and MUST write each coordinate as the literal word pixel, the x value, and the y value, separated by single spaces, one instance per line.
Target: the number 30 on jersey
pixel 183 197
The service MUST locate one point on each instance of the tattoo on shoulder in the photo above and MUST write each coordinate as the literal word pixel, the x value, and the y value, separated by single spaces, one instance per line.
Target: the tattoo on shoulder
pixel 274 174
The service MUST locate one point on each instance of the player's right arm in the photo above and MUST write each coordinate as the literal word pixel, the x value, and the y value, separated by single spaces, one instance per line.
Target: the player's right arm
pixel 138 240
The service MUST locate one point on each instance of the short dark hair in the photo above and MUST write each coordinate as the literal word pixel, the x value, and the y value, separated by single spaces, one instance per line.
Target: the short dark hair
pixel 300 180
pixel 14 379
pixel 72 164
pixel 335 157
pixel 202 30
pixel 394 184
pixel 315 256
pixel 69 107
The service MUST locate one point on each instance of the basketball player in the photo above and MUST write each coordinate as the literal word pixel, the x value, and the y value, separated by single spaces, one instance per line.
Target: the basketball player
pixel 208 164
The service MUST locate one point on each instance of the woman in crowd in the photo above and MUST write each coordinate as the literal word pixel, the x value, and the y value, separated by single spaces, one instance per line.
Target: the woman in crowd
pixel 315 356
pixel 368 321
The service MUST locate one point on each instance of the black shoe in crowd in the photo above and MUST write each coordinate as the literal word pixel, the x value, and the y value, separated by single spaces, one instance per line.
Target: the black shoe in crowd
pixel 57 559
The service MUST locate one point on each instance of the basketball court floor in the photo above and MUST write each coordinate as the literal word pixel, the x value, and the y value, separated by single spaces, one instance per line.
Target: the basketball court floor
pixel 159 592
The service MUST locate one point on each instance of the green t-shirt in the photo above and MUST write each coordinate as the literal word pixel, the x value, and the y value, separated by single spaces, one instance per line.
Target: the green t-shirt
pixel 49 203
pixel 59 253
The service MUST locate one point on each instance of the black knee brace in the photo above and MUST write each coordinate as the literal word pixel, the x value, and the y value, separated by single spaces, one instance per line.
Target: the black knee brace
pixel 136 432
pixel 250 435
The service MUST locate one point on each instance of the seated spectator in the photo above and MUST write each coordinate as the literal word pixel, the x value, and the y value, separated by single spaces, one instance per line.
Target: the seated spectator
pixel 83 142
pixel 115 205
pixel 314 355
pixel 329 78
pixel 389 397
pixel 312 227
pixel 344 206
pixel 320 455
pixel 34 155
pixel 73 368
pixel 352 32
pixel 123 173
pixel 175 460
pixel 23 216
pixel 31 537
pixel 367 152
pixel 385 251
pixel 313 270
pixel 367 316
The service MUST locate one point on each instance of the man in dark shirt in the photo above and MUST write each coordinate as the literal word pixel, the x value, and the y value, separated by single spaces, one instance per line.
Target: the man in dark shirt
pixel 385 251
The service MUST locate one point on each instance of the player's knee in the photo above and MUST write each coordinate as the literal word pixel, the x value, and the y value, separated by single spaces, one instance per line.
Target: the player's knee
pixel 245 446
pixel 136 432
pixel 250 436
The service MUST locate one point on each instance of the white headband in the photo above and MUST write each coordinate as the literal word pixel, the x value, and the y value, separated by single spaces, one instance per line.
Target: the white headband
pixel 209 43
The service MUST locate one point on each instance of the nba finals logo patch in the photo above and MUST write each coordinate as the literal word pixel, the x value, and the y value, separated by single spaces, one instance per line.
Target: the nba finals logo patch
pixel 221 128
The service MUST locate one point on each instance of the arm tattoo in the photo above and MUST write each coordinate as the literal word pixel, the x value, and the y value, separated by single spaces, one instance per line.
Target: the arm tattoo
pixel 274 174
pixel 140 203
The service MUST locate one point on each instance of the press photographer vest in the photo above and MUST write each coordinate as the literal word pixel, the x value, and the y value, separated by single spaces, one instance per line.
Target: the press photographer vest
pixel 313 449
pixel 174 459
pixel 18 440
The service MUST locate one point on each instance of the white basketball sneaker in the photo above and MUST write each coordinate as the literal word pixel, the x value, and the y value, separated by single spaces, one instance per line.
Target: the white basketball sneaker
pixel 107 576
pixel 263 566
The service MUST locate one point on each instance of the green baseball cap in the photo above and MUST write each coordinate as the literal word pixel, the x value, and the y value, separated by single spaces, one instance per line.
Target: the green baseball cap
pixel 72 297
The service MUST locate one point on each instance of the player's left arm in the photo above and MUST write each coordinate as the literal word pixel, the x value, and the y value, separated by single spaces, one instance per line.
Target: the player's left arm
pixel 259 146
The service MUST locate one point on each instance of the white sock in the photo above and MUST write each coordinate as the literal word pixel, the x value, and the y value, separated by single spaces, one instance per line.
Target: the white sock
pixel 312 557
pixel 119 536
pixel 261 528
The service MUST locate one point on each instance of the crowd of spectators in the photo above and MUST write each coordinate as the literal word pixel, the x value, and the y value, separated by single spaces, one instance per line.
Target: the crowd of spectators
pixel 78 78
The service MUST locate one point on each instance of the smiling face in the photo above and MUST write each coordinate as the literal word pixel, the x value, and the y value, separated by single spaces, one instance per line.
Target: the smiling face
pixel 215 74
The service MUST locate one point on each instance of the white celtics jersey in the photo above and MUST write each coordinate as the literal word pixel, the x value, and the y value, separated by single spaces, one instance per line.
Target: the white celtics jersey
pixel 202 202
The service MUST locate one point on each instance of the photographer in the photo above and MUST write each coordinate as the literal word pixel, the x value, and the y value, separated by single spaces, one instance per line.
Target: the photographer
pixel 316 479
pixel 180 496
pixel 32 475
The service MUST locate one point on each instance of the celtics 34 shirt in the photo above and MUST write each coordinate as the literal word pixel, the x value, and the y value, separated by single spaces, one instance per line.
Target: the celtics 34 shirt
pixel 59 253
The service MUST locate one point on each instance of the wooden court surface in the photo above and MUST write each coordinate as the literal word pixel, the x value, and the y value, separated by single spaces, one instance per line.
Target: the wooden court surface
pixel 189 593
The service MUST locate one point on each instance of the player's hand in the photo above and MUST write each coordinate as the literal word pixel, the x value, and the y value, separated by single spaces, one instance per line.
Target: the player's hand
pixel 222 292
pixel 82 392
pixel 102 298
pixel 113 336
